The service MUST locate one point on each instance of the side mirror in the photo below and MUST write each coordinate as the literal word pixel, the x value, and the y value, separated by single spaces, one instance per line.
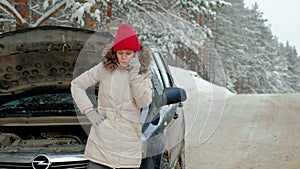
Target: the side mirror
pixel 173 95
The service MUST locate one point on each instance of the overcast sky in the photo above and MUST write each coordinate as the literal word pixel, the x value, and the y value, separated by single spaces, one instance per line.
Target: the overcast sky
pixel 283 16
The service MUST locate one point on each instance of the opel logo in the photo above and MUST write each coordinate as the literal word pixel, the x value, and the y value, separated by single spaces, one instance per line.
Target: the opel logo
pixel 41 161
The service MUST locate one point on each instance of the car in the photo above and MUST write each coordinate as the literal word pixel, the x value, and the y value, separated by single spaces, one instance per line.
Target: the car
pixel 40 126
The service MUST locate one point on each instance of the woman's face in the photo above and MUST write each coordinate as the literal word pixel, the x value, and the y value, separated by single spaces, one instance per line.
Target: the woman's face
pixel 124 57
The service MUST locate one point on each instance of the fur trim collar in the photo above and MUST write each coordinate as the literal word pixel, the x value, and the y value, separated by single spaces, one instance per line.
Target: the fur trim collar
pixel 110 60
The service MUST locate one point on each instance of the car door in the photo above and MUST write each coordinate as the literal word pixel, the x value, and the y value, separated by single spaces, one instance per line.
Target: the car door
pixel 160 127
pixel 172 115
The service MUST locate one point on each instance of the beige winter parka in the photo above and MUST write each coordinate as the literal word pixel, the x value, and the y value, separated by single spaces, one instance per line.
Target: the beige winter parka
pixel 117 141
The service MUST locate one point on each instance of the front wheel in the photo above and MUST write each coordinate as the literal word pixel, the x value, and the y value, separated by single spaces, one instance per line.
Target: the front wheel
pixel 180 164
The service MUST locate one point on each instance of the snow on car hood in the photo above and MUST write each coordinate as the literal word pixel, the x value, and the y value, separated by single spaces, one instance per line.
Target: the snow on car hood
pixel 44 59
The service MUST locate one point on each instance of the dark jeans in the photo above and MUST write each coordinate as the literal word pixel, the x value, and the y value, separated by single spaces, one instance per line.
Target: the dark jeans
pixel 92 165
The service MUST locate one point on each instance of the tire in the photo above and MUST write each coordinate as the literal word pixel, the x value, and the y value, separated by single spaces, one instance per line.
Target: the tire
pixel 181 159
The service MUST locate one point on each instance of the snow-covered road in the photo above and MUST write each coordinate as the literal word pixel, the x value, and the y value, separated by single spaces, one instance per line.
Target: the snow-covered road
pixel 228 131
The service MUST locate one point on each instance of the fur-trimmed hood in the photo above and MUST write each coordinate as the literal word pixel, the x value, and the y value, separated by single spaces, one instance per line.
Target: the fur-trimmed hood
pixel 110 60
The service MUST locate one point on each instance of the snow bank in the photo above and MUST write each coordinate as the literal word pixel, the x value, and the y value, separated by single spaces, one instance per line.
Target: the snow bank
pixel 205 103
pixel 190 80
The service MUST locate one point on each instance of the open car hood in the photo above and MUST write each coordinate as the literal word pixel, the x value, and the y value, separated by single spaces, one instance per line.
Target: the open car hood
pixel 45 59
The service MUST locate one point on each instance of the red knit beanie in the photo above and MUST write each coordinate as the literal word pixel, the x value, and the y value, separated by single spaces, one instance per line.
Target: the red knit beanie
pixel 126 39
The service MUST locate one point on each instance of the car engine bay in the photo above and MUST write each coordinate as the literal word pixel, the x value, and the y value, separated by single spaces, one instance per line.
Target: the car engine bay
pixel 42 139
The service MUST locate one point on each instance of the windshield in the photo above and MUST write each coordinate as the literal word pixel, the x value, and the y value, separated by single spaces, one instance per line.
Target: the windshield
pixel 39 100
pixel 59 104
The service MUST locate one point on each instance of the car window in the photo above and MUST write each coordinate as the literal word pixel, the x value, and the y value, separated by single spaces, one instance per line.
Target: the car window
pixel 156 78
pixel 162 69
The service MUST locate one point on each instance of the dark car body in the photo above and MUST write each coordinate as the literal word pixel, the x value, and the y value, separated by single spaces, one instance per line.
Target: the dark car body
pixel 40 126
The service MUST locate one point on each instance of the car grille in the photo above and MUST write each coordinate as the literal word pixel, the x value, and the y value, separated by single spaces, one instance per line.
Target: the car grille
pixel 56 165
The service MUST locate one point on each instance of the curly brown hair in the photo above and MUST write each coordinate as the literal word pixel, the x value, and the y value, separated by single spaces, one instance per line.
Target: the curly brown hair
pixel 110 60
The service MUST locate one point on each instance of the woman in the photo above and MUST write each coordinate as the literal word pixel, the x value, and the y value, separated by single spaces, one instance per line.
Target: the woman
pixel 115 139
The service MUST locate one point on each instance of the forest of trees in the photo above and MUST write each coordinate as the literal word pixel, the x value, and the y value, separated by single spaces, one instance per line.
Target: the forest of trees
pixel 225 42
